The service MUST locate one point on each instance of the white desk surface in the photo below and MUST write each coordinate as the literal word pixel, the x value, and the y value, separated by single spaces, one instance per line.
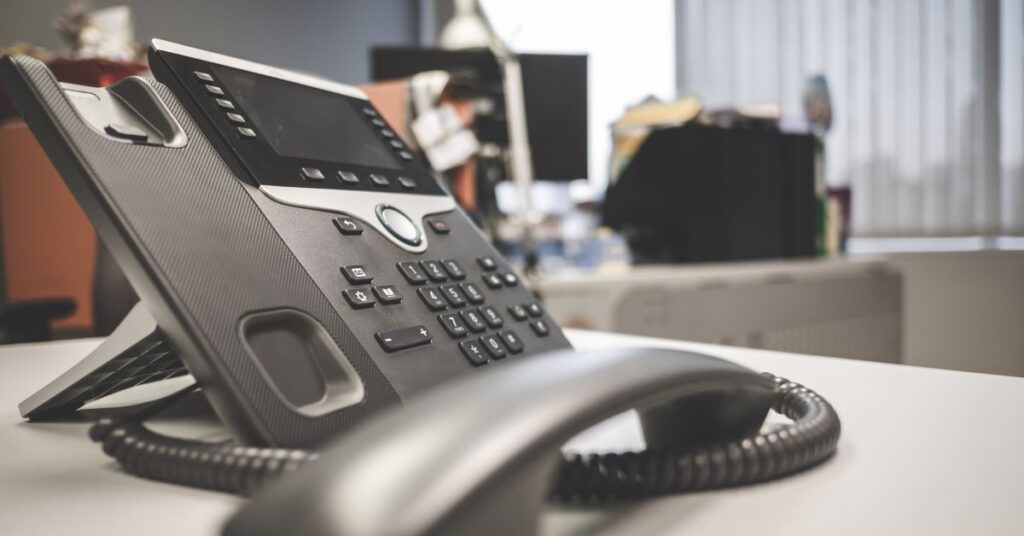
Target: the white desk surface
pixel 923 451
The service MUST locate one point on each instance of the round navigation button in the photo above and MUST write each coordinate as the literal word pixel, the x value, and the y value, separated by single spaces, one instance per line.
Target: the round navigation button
pixel 399 225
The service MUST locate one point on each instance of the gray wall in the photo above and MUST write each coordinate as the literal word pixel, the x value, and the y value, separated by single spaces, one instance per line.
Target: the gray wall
pixel 328 37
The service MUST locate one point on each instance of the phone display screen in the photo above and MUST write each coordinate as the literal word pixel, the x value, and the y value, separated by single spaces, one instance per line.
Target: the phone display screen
pixel 308 123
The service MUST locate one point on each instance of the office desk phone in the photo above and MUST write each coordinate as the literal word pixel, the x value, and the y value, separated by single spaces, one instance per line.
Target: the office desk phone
pixel 295 256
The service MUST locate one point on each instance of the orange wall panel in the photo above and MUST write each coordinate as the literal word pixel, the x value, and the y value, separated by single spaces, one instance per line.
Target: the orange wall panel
pixel 49 246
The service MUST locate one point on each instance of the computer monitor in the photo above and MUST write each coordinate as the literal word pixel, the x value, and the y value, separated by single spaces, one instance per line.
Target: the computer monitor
pixel 554 87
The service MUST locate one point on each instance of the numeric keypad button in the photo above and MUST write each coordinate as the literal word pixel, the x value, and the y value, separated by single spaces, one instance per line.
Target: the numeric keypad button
pixel 454 269
pixel 474 352
pixel 494 346
pixel 434 271
pixel 432 297
pixel 511 340
pixel 472 293
pixel 412 273
pixel 453 325
pixel 453 295
pixel 492 317
pixel 474 321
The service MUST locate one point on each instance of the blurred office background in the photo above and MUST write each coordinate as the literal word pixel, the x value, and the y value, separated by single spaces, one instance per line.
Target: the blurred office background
pixel 900 220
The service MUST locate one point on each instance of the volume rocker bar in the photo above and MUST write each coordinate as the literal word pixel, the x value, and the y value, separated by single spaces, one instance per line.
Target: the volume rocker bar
pixel 400 339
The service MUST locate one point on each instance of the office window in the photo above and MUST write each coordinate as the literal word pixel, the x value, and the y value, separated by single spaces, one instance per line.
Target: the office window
pixel 928 123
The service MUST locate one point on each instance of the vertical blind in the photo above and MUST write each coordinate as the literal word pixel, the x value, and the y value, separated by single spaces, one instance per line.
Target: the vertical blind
pixel 928 123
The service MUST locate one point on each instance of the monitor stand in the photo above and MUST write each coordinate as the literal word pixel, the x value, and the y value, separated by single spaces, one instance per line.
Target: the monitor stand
pixel 134 354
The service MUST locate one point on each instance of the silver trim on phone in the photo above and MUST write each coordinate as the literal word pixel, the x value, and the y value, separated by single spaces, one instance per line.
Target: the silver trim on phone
pixel 362 205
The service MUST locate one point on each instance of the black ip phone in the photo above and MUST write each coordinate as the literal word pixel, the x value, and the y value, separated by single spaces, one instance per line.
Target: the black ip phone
pixel 298 260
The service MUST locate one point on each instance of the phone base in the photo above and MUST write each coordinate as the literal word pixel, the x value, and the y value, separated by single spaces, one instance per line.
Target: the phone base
pixel 135 353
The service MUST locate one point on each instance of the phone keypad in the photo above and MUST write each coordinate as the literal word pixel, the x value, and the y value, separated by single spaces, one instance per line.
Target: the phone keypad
pixel 457 301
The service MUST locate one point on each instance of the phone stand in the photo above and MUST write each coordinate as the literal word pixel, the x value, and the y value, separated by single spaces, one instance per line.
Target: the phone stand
pixel 135 353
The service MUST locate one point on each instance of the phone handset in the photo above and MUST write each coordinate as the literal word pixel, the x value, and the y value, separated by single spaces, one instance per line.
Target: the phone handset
pixel 480 456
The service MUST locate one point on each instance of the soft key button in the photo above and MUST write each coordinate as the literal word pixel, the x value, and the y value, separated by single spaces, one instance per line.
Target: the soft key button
pixel 348 177
pixel 312 174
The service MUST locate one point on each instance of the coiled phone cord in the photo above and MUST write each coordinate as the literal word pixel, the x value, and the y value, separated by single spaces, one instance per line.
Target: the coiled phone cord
pixel 808 440
pixel 787 449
